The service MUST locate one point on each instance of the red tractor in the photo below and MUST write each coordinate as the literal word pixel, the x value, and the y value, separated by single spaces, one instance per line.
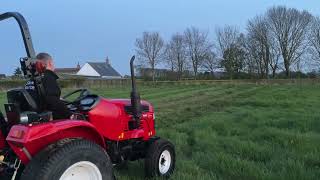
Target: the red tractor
pixel 106 132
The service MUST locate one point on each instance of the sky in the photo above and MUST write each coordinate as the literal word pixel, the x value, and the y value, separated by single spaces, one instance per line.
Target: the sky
pixel 75 31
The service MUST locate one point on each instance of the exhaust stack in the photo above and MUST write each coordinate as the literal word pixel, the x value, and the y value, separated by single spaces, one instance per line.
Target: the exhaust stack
pixel 135 96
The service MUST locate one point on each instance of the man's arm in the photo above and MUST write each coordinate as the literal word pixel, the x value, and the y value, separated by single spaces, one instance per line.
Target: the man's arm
pixel 52 98
pixel 58 108
pixel 51 86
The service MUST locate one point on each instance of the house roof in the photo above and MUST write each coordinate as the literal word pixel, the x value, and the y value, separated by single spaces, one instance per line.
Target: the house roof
pixel 104 69
pixel 67 70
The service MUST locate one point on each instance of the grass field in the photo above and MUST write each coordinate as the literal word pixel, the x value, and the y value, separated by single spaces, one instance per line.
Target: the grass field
pixel 235 131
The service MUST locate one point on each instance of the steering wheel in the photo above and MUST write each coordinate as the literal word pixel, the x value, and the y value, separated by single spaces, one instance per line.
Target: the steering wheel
pixel 83 93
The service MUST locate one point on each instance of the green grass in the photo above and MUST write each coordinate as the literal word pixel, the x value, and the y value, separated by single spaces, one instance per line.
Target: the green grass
pixel 235 131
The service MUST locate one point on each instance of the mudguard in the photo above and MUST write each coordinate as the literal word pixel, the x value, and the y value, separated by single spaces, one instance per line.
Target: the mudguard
pixel 27 140
pixel 2 141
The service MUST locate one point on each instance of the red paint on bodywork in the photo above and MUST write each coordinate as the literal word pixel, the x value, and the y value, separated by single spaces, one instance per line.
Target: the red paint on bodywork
pixel 106 121
pixel 111 120
pixel 2 141
pixel 105 117
pixel 37 137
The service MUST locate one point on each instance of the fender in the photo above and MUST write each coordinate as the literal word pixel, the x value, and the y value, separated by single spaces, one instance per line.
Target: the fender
pixel 2 141
pixel 27 140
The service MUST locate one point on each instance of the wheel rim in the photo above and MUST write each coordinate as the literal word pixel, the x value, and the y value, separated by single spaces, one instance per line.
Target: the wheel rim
pixel 83 170
pixel 164 162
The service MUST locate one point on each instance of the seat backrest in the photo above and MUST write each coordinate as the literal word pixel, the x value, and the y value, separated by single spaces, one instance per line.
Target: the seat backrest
pixel 23 100
pixel 41 93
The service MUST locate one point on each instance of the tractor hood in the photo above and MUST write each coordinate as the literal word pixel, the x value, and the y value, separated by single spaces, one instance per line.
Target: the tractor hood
pixel 127 102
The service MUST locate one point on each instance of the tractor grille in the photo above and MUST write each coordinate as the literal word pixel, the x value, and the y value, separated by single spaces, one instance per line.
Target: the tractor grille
pixel 144 108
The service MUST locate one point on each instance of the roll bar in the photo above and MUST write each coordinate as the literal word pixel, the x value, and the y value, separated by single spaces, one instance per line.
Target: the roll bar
pixel 27 63
pixel 24 31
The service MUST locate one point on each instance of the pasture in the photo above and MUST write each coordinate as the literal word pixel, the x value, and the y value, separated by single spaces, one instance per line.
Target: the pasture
pixel 242 131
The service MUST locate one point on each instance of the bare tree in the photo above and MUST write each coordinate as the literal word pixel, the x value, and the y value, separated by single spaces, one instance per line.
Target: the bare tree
pixel 314 39
pixel 211 62
pixel 149 49
pixel 263 47
pixel 259 35
pixel 253 60
pixel 227 37
pixel 231 44
pixel 289 26
pixel 169 57
pixel 197 45
pixel 275 55
pixel 176 54
pixel 233 60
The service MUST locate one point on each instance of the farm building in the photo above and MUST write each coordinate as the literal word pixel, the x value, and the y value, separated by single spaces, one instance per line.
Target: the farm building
pixel 2 76
pixel 100 70
pixel 68 71
pixel 216 73
pixel 147 72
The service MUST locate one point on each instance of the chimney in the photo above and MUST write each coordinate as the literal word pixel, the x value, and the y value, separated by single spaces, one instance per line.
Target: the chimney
pixel 107 60
pixel 78 66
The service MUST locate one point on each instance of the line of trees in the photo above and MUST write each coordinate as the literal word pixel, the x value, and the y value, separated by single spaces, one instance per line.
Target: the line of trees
pixel 280 40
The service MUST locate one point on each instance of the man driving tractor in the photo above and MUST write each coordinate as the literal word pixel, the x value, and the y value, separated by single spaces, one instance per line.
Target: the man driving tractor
pixel 51 90
pixel 111 131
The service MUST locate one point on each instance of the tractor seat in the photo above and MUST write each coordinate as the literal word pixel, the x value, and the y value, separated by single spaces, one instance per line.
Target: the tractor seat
pixel 23 99
pixel 23 107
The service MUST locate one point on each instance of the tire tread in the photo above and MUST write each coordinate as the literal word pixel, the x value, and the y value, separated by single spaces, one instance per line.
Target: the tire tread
pixel 152 157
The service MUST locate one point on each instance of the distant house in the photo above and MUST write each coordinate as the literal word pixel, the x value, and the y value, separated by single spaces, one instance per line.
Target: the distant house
pixel 162 74
pixel 147 72
pixel 68 71
pixel 216 73
pixel 2 76
pixel 100 70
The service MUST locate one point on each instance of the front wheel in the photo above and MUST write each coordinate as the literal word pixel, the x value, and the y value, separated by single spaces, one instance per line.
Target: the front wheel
pixel 76 160
pixel 160 159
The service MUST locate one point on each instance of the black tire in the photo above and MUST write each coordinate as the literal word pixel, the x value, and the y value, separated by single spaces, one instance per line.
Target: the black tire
pixel 122 165
pixel 152 159
pixel 51 163
pixel 38 161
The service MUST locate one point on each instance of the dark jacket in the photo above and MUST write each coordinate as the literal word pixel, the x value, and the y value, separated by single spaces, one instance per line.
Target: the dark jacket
pixel 32 90
pixel 52 94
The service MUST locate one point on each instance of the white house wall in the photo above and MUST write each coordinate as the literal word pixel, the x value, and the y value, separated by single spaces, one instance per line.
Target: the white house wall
pixel 87 70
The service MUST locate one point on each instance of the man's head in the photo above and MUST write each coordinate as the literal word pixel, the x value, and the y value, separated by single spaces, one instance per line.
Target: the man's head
pixel 46 60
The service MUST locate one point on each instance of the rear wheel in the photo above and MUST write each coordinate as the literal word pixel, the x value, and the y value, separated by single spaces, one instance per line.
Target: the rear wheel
pixel 82 170
pixel 160 159
pixel 76 160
